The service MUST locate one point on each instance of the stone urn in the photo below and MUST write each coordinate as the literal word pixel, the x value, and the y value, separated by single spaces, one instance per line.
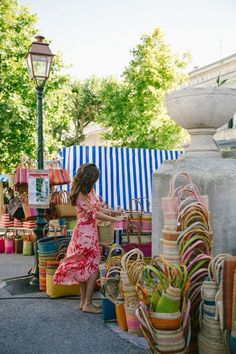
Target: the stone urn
pixel 201 111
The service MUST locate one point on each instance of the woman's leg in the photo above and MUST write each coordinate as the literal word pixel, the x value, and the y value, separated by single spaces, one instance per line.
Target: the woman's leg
pixel 83 287
pixel 88 306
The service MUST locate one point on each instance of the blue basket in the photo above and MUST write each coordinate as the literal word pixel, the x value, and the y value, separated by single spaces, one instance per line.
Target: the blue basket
pixel 108 310
pixel 51 244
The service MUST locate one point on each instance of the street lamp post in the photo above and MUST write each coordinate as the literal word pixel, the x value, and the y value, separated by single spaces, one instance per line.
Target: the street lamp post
pixel 39 59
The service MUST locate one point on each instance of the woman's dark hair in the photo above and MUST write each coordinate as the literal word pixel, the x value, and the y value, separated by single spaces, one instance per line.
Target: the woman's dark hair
pixel 84 180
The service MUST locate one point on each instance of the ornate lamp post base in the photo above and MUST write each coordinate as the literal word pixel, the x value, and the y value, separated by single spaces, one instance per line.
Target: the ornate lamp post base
pixel 40 222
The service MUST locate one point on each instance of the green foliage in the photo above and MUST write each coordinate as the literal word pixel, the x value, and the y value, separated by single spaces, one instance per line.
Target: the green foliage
pixel 85 105
pixel 16 91
pixel 134 109
pixel 18 96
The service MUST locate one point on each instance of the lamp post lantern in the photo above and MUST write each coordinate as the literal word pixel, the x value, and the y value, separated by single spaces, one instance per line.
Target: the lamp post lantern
pixel 39 59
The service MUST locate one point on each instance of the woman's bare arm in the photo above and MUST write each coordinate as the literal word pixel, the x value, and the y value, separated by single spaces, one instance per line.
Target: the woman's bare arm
pixel 105 217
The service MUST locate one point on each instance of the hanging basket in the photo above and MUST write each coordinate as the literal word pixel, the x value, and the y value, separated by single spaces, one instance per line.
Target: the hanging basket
pixel 106 232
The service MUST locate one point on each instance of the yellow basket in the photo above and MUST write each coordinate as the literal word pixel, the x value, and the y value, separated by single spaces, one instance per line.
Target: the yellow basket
pixel 57 290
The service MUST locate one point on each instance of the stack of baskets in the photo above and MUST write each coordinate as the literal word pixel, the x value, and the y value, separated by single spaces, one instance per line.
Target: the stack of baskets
pixel 210 339
pixel 132 265
pixel 47 251
pixel 170 232
pixel 139 228
pixel 43 259
pixel 164 320
pixel 112 299
pixel 187 237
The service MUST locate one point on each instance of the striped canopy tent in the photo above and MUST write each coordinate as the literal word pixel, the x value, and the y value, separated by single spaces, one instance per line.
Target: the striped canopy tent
pixel 125 173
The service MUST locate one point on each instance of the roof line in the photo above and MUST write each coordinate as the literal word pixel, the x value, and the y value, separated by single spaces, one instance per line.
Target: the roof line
pixel 211 64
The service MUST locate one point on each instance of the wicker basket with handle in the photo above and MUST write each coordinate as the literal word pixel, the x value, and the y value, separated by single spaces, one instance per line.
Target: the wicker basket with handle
pixel 106 232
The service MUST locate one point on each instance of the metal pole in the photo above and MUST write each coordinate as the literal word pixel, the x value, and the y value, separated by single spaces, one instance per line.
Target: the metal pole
pixel 40 221
pixel 40 126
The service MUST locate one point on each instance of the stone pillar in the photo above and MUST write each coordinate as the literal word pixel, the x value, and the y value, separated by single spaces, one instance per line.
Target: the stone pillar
pixel 213 176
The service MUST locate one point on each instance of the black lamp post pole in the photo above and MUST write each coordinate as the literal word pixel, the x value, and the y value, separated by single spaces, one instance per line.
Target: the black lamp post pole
pixel 39 91
pixel 40 221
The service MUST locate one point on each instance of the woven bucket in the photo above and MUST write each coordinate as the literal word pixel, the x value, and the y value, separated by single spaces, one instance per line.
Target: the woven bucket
pixel 211 328
pixel 57 290
pixel 209 310
pixel 9 246
pixel 42 278
pixel 18 246
pixel 172 259
pixel 131 299
pixel 208 346
pixel 106 232
pixel 2 245
pixel 209 289
pixel 108 310
pixel 132 321
pixel 165 321
pixel 121 316
pixel 170 341
pixel 27 248
pixel 170 235
pixel 169 301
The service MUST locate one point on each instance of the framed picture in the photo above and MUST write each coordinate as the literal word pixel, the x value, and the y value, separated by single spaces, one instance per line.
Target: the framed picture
pixel 39 189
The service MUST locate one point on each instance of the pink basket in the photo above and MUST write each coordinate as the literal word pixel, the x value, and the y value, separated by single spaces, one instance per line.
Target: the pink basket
pixel 2 245
pixel 9 246
pixel 146 248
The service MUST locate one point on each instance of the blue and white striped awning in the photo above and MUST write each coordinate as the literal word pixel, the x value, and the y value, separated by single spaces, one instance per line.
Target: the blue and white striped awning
pixel 125 173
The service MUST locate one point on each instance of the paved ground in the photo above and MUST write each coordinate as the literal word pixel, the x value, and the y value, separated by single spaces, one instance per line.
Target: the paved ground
pixel 31 323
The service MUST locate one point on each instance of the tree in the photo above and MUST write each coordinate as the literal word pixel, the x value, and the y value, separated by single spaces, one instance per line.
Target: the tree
pixel 17 93
pixel 134 109
pixel 85 105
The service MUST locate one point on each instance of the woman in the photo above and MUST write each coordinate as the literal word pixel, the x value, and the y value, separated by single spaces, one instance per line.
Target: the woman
pixel 83 254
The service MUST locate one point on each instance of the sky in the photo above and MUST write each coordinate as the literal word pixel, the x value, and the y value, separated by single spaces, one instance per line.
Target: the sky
pixel 96 36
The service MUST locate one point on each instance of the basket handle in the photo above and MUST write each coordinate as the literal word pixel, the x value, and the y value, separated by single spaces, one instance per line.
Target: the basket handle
pixel 173 188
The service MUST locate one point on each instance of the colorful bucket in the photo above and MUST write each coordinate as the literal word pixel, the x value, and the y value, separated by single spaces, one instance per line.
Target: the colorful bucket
pixel 42 278
pixel 2 245
pixel 108 310
pixel 18 246
pixel 9 245
pixel 132 321
pixel 27 248
pixel 121 316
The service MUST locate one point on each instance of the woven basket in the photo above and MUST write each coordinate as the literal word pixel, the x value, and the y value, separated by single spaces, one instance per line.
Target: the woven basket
pixel 106 232
pixel 132 321
pixel 27 248
pixel 207 346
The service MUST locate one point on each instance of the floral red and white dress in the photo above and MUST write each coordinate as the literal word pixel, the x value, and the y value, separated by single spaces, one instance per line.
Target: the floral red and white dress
pixel 83 253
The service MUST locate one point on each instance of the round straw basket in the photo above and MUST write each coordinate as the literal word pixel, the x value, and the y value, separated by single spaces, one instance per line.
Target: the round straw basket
pixel 106 232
